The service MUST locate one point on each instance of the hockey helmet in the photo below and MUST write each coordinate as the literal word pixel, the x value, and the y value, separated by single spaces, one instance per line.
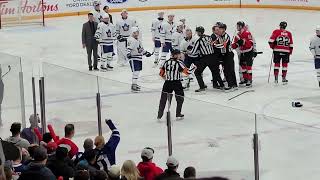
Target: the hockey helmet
pixel 318 28
pixel 241 24
pixel 200 29
pixel 105 15
pixel 283 25
pixel 134 30
pixel 222 26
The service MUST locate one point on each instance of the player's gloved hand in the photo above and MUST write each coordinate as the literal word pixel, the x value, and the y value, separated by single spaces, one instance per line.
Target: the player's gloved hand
pixel 255 54
pixel 147 54
pixel 240 42
pixel 129 56
pixel 121 39
pixel 189 48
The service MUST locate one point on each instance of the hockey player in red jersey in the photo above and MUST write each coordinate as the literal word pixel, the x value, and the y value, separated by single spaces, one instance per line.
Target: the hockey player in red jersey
pixel 282 44
pixel 244 41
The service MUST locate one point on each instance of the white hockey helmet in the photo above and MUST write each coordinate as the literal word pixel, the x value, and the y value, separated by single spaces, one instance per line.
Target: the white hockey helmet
pixel 134 29
pixel 170 14
pixel 105 16
pixel 318 28
pixel 179 23
pixel 124 11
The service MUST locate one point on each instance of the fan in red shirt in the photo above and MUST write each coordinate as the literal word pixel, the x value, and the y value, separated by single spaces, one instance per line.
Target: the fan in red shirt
pixel 67 142
pixel 148 170
pixel 244 41
pixel 282 44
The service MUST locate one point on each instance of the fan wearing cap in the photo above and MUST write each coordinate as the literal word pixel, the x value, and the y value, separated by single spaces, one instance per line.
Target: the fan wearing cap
pixel 168 28
pixel 281 42
pixel 315 50
pixel 148 170
pixel 123 30
pixel 171 71
pixel 97 14
pixel 177 36
pixel 171 171
pixel 155 30
pixel 106 35
pixel 134 55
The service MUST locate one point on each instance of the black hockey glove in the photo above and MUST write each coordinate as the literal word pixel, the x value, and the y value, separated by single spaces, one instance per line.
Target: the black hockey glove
pixel 121 39
pixel 189 48
pixel 147 54
pixel 255 54
pixel 240 42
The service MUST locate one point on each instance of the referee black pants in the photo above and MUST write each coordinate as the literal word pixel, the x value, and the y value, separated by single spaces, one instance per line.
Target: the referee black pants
pixel 168 88
pixel 229 72
pixel 213 63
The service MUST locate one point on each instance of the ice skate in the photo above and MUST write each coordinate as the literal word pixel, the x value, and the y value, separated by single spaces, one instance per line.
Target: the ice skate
pixel 249 84
pixel 96 69
pixel 180 117
pixel 135 88
pixel 103 69
pixel 284 81
pixel 200 90
pixel 109 68
pixel 276 80
pixel 242 83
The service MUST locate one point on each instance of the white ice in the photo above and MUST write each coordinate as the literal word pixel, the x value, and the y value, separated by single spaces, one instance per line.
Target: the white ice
pixel 216 135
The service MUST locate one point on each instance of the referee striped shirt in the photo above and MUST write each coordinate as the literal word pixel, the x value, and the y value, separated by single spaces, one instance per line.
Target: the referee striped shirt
pixel 172 69
pixel 203 45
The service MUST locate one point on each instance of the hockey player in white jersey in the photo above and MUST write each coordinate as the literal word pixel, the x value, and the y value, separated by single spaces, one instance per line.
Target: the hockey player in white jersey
pixel 177 36
pixel 168 28
pixel 134 54
pixel 186 47
pixel 315 50
pixel 106 35
pixel 97 14
pixel 156 28
pixel 123 29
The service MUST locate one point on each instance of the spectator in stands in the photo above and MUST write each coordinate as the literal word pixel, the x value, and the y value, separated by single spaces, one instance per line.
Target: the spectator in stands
pixel 36 170
pixel 114 173
pixel 129 171
pixel 67 140
pixel 90 163
pixel 106 10
pixel 31 150
pixel 189 173
pixel 82 175
pixel 87 146
pixel 17 165
pixel 107 151
pixel 29 133
pixel 171 171
pixel 15 138
pixel 101 175
pixel 60 164
pixel 148 170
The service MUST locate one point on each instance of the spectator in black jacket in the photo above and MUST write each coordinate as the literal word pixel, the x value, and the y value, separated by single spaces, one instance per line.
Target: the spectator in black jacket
pixel 61 165
pixel 171 171
pixel 36 170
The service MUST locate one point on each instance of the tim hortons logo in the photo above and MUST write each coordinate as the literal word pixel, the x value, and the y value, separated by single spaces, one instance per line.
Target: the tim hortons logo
pixel 11 7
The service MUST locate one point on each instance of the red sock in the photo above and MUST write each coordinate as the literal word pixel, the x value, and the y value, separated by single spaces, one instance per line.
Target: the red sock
pixel 284 69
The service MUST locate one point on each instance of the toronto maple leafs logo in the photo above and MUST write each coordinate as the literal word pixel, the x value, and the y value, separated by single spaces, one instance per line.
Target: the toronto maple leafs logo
pixel 125 27
pixel 108 33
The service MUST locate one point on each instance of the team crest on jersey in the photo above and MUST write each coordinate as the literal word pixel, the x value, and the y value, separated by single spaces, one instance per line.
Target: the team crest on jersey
pixel 125 27
pixel 140 49
pixel 109 33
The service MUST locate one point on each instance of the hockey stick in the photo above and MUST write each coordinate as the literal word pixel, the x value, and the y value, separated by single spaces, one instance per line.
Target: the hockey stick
pixel 9 69
pixel 270 68
pixel 240 94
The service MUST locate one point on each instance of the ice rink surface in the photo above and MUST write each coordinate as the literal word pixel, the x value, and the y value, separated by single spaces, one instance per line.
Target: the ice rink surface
pixel 216 134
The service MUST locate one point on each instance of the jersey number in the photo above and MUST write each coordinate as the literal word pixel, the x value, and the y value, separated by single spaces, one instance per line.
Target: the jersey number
pixel 283 41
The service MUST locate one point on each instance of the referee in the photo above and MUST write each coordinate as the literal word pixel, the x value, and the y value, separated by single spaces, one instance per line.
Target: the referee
pixel 171 71
pixel 204 45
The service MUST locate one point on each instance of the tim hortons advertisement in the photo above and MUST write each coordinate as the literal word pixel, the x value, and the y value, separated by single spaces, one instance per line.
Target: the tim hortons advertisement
pixel 27 7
